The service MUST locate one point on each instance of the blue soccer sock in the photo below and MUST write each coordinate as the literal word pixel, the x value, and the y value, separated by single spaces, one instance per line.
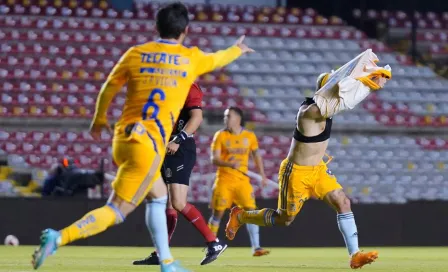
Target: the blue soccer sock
pixel 254 235
pixel 347 226
pixel 156 223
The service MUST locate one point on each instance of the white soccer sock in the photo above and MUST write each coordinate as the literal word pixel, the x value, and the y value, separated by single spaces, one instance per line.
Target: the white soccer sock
pixel 347 226
pixel 254 235
pixel 156 223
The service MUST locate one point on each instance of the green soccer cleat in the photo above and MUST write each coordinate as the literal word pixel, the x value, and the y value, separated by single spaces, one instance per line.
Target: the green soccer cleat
pixel 48 246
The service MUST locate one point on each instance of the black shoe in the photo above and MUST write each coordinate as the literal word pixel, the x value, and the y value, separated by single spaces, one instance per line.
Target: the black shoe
pixel 213 251
pixel 152 259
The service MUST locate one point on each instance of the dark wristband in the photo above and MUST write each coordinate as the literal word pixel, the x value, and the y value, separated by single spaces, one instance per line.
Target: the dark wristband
pixel 182 136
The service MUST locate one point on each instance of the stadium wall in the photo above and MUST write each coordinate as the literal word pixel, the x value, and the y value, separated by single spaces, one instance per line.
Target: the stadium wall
pixel 412 224
pixel 271 3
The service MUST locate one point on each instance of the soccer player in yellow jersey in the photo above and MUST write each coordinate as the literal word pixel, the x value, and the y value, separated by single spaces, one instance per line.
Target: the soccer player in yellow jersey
pixel 304 174
pixel 159 75
pixel 231 149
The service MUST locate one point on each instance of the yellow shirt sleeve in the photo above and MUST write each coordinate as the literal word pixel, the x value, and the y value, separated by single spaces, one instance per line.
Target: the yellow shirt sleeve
pixel 254 143
pixel 209 62
pixel 217 141
pixel 114 82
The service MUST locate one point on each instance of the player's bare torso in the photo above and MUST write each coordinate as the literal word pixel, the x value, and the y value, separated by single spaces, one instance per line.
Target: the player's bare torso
pixel 308 154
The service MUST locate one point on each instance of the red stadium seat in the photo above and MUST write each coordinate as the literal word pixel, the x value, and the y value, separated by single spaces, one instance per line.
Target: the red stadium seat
pixel 56 55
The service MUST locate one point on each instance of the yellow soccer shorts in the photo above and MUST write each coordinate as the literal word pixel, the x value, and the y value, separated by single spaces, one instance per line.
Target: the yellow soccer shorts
pixel 298 183
pixel 229 191
pixel 139 166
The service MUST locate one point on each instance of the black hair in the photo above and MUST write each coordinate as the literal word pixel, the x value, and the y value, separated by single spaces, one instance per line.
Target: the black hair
pixel 308 101
pixel 172 20
pixel 240 113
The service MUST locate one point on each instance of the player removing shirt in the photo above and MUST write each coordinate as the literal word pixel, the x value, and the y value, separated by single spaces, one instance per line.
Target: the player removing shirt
pixel 231 148
pixel 304 173
pixel 159 75
pixel 176 171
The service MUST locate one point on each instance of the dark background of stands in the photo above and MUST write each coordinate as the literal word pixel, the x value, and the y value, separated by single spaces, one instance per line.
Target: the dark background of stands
pixel 412 224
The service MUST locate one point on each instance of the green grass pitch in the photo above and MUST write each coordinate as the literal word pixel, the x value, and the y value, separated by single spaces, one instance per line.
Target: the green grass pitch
pixel 119 259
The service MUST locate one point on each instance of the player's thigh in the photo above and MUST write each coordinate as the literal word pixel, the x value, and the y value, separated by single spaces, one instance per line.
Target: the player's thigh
pixel 325 183
pixel 222 196
pixel 178 195
pixel 293 191
pixel 158 189
pixel 138 167
pixel 244 196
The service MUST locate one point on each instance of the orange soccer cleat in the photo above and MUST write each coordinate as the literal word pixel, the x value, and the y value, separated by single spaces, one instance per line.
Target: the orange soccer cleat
pixel 261 252
pixel 234 223
pixel 359 259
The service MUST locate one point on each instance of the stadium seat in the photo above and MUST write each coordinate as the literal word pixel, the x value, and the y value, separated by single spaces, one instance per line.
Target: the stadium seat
pixel 54 60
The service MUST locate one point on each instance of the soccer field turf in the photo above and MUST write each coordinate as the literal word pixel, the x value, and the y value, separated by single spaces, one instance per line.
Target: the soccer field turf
pixel 119 259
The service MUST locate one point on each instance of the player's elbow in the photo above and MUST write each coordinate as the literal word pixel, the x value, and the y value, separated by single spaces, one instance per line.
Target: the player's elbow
pixel 258 160
pixel 214 161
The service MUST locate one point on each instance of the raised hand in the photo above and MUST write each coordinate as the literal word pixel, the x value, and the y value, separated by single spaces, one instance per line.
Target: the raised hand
pixel 244 48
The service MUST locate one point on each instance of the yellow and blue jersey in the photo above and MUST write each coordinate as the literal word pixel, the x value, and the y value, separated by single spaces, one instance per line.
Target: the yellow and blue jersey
pixel 159 75
pixel 234 148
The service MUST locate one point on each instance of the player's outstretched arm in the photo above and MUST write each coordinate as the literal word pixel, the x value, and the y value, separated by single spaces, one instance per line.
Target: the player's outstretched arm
pixel 209 62
pixel 114 82
pixel 244 48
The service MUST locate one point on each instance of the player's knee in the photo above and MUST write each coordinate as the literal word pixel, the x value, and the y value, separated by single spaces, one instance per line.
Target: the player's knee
pixel 289 220
pixel 284 222
pixel 346 204
pixel 339 201
pixel 119 215
pixel 121 206
pixel 283 219
pixel 178 205
pixel 343 203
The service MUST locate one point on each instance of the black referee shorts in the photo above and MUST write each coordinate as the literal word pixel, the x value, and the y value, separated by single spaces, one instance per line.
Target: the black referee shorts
pixel 177 168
